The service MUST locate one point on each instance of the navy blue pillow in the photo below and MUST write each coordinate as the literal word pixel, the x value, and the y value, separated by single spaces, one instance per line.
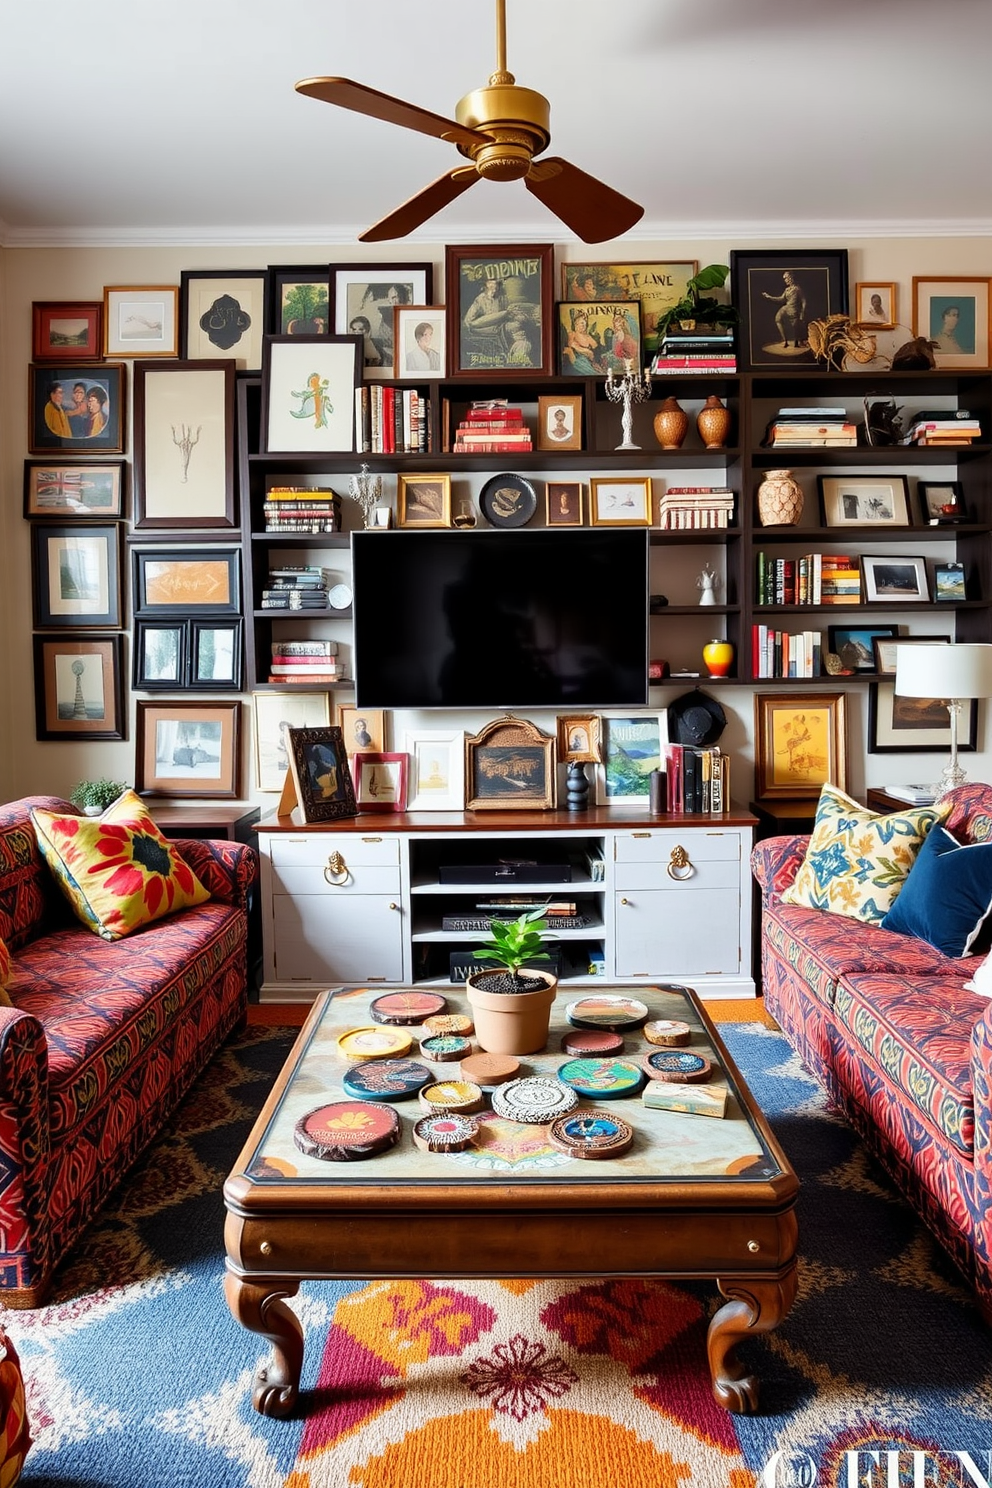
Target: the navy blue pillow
pixel 947 896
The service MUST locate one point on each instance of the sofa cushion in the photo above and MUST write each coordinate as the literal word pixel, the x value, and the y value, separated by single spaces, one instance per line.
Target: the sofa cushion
pixel 4 974
pixel 918 1036
pixel 947 897
pixel 117 870
pixel 857 861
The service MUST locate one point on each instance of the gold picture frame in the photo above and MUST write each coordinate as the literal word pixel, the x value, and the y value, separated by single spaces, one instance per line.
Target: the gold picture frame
pixel 621 501
pixel 800 744
pixel 874 306
pixel 424 500
pixel 580 737
pixel 563 504
pixel 559 422
pixel 509 765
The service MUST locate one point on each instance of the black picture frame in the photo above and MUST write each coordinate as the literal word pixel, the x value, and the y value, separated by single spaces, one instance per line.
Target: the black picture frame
pixel 893 721
pixel 517 337
pixel 318 764
pixel 936 497
pixel 310 315
pixel 857 642
pixel 76 573
pixel 181 581
pixel 79 687
pixel 173 655
pixel 949 584
pixel 104 387
pixel 184 476
pixel 67 490
pixel 223 313
pixel 757 288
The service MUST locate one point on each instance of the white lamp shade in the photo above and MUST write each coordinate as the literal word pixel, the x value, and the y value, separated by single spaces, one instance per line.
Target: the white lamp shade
pixel 944 671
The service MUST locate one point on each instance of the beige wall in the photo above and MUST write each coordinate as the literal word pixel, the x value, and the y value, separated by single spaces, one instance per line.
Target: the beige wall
pixel 27 274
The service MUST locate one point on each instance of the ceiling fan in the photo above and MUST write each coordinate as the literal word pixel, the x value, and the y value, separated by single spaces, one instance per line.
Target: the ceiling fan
pixel 499 128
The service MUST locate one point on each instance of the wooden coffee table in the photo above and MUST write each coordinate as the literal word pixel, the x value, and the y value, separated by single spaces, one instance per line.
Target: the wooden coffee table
pixel 696 1197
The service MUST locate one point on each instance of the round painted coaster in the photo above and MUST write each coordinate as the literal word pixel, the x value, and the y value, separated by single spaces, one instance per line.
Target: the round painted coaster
pixel 442 1047
pixel 602 1079
pixel 386 1079
pixel 451 1095
pixel 677 1064
pixel 347 1131
pixel 451 1133
pixel 591 1134
pixel 405 1008
pixel 490 1070
pixel 606 1012
pixel 591 1043
pixel 455 1023
pixel 536 1099
pixel 669 1032
pixel 374 1043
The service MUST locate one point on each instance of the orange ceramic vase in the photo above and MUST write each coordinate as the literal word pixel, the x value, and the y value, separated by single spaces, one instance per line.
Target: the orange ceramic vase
pixel 713 422
pixel 719 657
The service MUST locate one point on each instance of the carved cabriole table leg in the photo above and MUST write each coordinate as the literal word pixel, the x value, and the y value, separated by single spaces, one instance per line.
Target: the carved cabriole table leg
pixel 258 1306
pixel 754 1306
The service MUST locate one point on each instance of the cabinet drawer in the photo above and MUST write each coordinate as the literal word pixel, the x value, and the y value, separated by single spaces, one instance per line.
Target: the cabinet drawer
pixel 655 876
pixel 308 878
pixel 314 849
pixel 702 844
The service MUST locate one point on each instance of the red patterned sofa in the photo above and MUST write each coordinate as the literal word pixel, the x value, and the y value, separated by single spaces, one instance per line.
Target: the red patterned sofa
pixel 904 1050
pixel 102 1038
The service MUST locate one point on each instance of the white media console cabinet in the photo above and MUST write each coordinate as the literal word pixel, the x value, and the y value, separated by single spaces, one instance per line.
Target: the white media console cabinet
pixel 362 900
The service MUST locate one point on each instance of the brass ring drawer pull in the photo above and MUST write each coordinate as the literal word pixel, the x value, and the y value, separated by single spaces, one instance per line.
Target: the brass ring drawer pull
pixel 679 866
pixel 337 871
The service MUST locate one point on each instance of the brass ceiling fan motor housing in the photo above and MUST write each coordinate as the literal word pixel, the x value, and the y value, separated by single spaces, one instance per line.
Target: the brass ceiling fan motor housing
pixel 518 122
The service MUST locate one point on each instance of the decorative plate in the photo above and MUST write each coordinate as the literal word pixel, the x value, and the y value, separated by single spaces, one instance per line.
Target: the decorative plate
pixel 535 1099
pixel 443 1047
pixel 374 1043
pixel 339 597
pixel 591 1043
pixel 508 501
pixel 404 1008
pixel 450 1133
pixel 347 1131
pixel 602 1079
pixel 591 1134
pixel 386 1079
pixel 678 1065
pixel 615 1013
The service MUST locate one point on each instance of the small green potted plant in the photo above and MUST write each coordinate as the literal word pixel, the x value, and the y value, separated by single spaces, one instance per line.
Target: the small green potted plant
pixel 697 308
pixel 511 1002
pixel 94 796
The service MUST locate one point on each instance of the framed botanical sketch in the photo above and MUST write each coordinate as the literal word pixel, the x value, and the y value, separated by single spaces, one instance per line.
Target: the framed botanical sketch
pixel 364 297
pixel 77 407
pixel 380 781
pixel 563 503
pixel 299 300
pixel 891 579
pixel 875 306
pixel 954 314
pixel 913 725
pixel 499 301
pixel 620 501
pixel 580 737
pixel 509 764
pixel 800 744
pixel 631 749
pixel 141 320
pixel 179 581
pixel 594 340
pixel 79 687
pixel 275 713
pixel 53 488
pixel 308 394
pixel 864 500
pixel 656 286
pixel 223 314
pixel 423 500
pixel 437 769
pixel 66 330
pixel 76 576
pixel 418 341
pixel 363 729
pixel 184 446
pixel 885 650
pixel 777 292
pixel 559 422
pixel 188 749
pixel 319 768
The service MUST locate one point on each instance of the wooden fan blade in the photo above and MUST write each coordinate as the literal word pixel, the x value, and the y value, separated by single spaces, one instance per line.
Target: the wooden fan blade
pixel 588 206
pixel 363 100
pixel 421 207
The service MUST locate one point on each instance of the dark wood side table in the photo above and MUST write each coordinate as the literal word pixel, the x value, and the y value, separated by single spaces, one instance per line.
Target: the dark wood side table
pixel 878 799
pixel 782 818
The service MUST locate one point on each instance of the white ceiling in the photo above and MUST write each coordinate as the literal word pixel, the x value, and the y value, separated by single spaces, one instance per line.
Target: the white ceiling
pixel 178 121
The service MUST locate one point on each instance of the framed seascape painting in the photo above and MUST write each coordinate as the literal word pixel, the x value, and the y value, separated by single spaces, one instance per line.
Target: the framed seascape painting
pixel 76 576
pixel 308 394
pixel 223 315
pixel 184 446
pixel 364 297
pixel 275 713
pixel 299 300
pixel 54 489
pixel 188 749
pixel 141 320
pixel 79 687
pixel 657 287
pixel 800 743
pixel 66 330
pixel 777 292
pixel 500 301
pixel 954 314
pixel 78 408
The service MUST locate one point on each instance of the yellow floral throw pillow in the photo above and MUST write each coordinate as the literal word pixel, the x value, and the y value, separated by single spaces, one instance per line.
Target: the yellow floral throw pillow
pixel 856 861
pixel 116 870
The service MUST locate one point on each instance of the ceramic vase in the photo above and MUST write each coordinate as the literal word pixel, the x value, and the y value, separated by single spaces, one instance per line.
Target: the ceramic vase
pixel 511 1022
pixel 713 422
pixel 719 657
pixel 671 424
pixel 780 499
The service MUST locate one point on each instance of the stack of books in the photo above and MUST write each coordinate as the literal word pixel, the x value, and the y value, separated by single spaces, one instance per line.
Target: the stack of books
pixel 299 509
pixel 561 914
pixel 840 579
pixel 806 428
pixel 814 579
pixel 492 427
pixel 303 588
pixel 695 508
pixel 695 351
pixel 953 427
pixel 391 420
pixel 697 781
pixel 775 653
pixel 313 662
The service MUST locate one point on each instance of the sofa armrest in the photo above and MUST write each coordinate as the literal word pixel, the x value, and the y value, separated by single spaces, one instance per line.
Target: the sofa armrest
pixel 25 1141
pixel 981 1075
pixel 775 862
pixel 227 869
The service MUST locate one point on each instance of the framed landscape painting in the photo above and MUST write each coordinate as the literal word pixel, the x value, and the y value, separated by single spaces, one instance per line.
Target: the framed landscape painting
pixel 299 300
pixel 66 330
pixel 777 292
pixel 631 749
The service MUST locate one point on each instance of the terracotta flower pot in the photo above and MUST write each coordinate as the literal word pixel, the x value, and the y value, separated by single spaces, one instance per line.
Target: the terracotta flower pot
pixel 511 1022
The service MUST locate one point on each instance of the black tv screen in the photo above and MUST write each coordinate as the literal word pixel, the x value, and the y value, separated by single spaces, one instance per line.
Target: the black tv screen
pixel 494 619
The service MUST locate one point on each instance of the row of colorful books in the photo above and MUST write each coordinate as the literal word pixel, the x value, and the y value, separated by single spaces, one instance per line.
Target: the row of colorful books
pixel 300 509
pixel 391 420
pixel 697 780
pixel 315 662
pixel 695 508
pixel 812 579
pixel 777 653
pixel 954 427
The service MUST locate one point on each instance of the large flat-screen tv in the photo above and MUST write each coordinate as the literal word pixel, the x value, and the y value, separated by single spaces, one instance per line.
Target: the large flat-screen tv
pixel 494 619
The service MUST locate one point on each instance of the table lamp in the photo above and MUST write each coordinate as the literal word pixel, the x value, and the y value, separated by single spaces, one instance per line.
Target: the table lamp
pixel 950 674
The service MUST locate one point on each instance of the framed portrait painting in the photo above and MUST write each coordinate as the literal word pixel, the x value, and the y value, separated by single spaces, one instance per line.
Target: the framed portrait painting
pixel 223 314
pixel 184 446
pixel 500 300
pixel 77 576
pixel 320 775
pixel 563 503
pixel 77 407
pixel 56 489
pixel 141 320
pixel 79 687
pixel 363 729
pixel 559 422
pixel 913 725
pixel 580 738
pixel 418 341
pixel 777 292
pixel 800 744
pixel 363 299
pixel 953 313
pixel 875 306
pixel 308 394
pixel 275 713
pixel 188 749
pixel 437 769
pixel 66 330
pixel 299 300
pixel 657 287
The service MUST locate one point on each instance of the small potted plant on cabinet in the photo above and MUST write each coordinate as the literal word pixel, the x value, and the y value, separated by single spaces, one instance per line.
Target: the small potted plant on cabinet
pixel 94 796
pixel 695 308
pixel 511 1006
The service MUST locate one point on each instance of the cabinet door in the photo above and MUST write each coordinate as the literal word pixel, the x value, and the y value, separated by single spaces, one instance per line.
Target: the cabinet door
pixel 678 932
pixel 322 938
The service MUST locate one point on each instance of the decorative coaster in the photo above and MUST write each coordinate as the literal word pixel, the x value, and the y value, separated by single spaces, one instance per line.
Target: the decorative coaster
pixel 374 1043
pixel 591 1134
pixel 386 1079
pixel 451 1133
pixel 443 1047
pixel 455 1023
pixel 591 1043
pixel 490 1070
pixel 602 1079
pixel 347 1131
pixel 679 1065
pixel 536 1099
pixel 405 1008
pixel 606 1012
pixel 451 1095
pixel 669 1032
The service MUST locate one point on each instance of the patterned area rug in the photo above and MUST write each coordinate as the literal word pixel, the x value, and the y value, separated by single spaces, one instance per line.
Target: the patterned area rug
pixel 138 1377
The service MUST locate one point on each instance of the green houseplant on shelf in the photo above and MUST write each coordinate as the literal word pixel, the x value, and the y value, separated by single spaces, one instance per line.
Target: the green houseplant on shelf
pixel 94 796
pixel 511 1002
pixel 697 308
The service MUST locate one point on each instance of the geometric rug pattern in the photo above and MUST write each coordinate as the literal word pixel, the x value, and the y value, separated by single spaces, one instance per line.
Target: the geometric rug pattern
pixel 137 1376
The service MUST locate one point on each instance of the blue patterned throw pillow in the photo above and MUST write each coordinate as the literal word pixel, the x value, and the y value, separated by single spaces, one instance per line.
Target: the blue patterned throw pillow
pixel 947 898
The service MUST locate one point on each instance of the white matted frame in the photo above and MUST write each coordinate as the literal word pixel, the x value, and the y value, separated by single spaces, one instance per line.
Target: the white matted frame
pixel 620 501
pixel 224 313
pixel 632 745
pixel 437 769
pixel 141 320
pixel 274 714
pixel 184 446
pixel 418 341
pixel 894 579
pixel 955 313
pixel 308 394
pixel 363 298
